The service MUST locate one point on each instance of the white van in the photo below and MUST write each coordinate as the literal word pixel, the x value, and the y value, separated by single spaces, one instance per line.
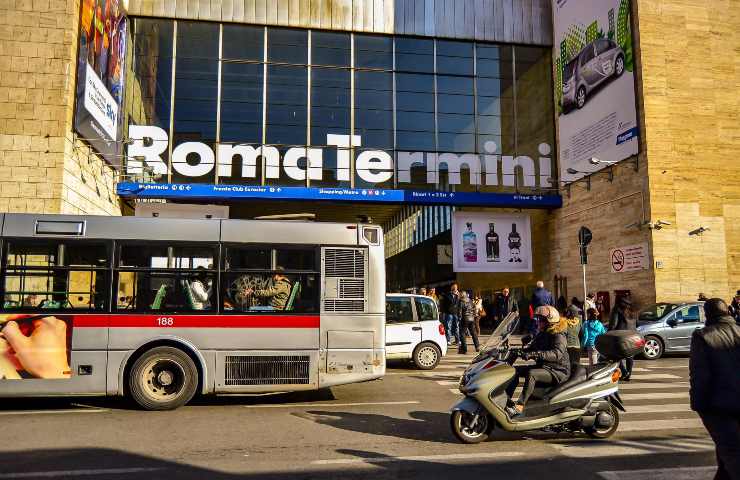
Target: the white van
pixel 413 330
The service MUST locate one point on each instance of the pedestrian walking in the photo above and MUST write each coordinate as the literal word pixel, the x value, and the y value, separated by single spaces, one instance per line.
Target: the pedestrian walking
pixel 505 304
pixel 480 312
pixel 573 334
pixel 592 328
pixel 450 307
pixel 590 302
pixel 715 384
pixel 540 297
pixel 622 319
pixel 466 314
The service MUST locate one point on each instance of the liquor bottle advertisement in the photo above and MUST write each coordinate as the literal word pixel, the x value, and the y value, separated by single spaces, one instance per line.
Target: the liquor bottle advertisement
pixel 491 242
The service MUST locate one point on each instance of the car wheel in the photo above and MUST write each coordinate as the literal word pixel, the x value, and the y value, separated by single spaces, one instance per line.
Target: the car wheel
pixel 427 356
pixel 619 66
pixel 163 378
pixel 581 97
pixel 653 348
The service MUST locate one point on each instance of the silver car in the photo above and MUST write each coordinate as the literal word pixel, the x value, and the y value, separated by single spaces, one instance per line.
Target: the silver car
pixel 667 327
pixel 597 62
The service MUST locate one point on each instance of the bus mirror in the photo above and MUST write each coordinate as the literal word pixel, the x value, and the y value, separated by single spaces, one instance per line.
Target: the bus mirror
pixel 371 235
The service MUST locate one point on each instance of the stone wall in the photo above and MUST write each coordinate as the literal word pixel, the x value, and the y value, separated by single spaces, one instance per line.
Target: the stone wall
pixel 43 169
pixel 690 54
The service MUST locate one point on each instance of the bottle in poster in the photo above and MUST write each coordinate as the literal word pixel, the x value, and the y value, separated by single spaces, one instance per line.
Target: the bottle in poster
pixel 492 245
pixel 470 244
pixel 515 245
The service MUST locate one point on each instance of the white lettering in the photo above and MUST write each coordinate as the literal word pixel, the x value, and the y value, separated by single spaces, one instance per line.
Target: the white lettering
pixel 343 142
pixel 545 176
pixel 512 165
pixel 206 159
pixel 406 160
pixel 374 166
pixel 455 165
pixel 314 157
pixel 148 144
pixel 225 156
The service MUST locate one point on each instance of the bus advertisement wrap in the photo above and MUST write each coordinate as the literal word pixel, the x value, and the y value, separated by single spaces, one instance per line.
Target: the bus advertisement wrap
pixel 594 84
pixel 100 77
pixel 484 242
pixel 35 346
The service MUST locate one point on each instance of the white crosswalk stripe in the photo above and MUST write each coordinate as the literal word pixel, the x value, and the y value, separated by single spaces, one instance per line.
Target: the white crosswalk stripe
pixel 685 473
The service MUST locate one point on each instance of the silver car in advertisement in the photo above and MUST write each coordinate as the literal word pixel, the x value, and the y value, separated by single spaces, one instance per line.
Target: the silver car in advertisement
pixel 668 326
pixel 596 63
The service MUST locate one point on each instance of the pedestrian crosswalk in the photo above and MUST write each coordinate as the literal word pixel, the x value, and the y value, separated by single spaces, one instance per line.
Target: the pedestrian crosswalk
pixel 656 398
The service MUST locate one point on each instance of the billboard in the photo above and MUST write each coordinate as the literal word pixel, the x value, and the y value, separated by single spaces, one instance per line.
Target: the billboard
pixel 594 84
pixel 35 346
pixel 491 242
pixel 100 77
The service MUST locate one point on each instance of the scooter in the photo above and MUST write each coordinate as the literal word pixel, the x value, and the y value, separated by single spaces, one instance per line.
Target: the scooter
pixel 588 401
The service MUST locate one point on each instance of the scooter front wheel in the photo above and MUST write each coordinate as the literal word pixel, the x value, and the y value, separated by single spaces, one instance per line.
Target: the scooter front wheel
pixel 469 428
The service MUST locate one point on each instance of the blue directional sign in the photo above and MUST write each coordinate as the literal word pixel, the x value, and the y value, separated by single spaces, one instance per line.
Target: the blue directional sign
pixel 191 191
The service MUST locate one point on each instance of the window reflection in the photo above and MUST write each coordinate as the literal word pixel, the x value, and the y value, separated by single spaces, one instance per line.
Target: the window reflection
pixel 287 99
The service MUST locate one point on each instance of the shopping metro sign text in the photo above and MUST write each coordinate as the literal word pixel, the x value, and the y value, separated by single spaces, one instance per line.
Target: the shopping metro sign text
pixel 148 143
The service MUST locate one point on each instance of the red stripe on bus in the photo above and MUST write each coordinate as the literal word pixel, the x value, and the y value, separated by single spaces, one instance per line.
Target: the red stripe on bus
pixel 196 321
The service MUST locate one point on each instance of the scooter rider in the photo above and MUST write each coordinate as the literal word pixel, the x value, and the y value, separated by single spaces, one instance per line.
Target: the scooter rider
pixel 549 350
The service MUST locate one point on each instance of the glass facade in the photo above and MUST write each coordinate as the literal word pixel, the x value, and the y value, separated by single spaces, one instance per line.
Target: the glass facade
pixel 414 98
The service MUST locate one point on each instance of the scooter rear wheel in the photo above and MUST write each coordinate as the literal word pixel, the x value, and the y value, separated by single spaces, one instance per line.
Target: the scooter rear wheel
pixel 596 432
pixel 465 432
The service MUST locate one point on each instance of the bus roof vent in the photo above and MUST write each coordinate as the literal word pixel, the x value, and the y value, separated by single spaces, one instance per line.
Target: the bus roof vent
pixel 57 227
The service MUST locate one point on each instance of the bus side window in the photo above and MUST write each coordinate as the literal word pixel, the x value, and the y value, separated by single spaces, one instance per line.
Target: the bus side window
pixel 166 277
pixel 55 275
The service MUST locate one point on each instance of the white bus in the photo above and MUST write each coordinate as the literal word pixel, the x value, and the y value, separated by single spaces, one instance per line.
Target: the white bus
pixel 161 309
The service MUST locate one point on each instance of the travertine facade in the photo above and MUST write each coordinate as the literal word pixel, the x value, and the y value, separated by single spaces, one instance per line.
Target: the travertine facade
pixel 43 169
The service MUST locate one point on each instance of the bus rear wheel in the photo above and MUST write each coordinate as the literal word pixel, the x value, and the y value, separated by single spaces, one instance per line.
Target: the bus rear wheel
pixel 163 378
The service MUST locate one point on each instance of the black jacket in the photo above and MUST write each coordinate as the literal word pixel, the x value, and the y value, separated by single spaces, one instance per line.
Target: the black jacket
pixel 715 367
pixel 450 304
pixel 620 321
pixel 466 310
pixel 550 350
pixel 734 309
pixel 506 305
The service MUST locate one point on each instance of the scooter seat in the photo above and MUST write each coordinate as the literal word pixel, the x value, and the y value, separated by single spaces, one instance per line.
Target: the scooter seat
pixel 578 374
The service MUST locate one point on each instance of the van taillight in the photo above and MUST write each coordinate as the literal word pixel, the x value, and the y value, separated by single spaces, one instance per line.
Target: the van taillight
pixel 441 329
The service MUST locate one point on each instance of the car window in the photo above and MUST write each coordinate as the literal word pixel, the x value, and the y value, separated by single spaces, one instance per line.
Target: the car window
pixel 398 310
pixel 655 312
pixel 689 314
pixel 587 54
pixel 602 46
pixel 426 309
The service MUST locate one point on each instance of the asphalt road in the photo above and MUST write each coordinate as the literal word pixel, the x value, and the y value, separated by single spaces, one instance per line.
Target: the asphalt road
pixel 394 428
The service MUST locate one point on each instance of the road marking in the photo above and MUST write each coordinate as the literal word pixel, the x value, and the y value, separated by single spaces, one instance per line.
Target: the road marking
pixel 653 395
pixel 652 386
pixel 420 458
pixel 618 448
pixel 52 412
pixel 70 473
pixel 455 391
pixel 655 376
pixel 314 405
pixel 447 382
pixel 678 423
pixel 685 473
pixel 664 408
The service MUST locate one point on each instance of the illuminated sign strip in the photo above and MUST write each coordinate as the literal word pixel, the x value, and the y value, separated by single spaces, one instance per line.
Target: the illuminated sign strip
pixel 418 197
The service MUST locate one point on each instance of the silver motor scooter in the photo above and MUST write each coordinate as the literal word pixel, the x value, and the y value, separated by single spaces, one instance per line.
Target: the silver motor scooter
pixel 588 401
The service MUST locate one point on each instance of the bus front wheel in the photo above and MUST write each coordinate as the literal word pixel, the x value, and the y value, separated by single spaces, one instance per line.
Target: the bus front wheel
pixel 163 378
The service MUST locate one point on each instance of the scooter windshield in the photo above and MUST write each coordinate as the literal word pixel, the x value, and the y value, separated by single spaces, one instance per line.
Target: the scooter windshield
pixel 502 332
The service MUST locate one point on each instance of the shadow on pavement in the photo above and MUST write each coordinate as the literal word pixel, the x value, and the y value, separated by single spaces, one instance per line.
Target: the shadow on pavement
pixel 107 464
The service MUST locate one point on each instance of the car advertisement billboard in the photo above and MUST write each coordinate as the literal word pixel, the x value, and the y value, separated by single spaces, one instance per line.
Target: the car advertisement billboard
pixel 594 84
pixel 100 77
pixel 488 242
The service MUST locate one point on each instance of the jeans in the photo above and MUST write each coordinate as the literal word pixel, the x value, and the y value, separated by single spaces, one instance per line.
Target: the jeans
pixel 593 356
pixel 626 367
pixel 451 327
pixel 725 431
pixel 466 327
pixel 533 375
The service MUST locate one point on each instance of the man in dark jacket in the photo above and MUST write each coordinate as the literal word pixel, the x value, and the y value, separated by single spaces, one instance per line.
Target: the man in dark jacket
pixel 622 319
pixel 735 307
pixel 549 350
pixel 466 317
pixel 541 296
pixel 715 384
pixel 505 304
pixel 450 308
